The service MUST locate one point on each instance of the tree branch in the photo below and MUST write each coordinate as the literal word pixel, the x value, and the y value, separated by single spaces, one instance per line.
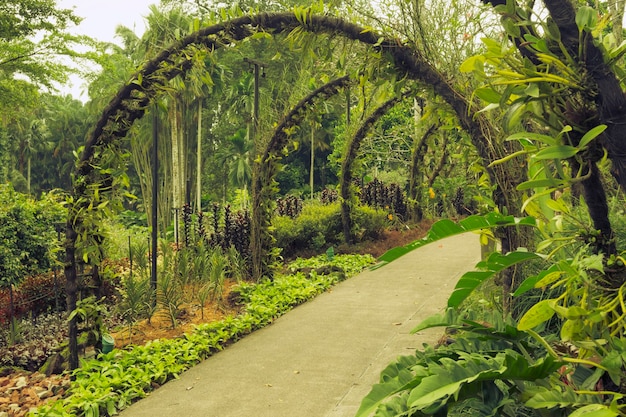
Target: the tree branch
pixel 609 97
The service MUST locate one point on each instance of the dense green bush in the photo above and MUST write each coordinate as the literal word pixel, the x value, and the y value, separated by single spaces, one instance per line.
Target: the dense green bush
pixel 116 244
pixel 319 226
pixel 27 235
pixel 369 223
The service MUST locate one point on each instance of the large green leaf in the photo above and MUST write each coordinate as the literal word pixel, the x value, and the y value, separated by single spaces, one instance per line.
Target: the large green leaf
pixel 556 152
pixel 473 63
pixel 513 116
pixel 396 377
pixel 519 368
pixel 591 135
pixel 430 379
pixel 545 139
pixel 530 282
pixel 541 183
pixel 586 18
pixel 493 265
pixel 449 376
pixel 594 410
pixel 490 325
pixel 466 284
pixel 449 318
pixel 487 94
pixel 537 314
pixel 562 397
pixel 447 228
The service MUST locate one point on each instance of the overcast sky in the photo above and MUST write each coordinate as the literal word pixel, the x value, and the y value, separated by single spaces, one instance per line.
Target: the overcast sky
pixel 100 18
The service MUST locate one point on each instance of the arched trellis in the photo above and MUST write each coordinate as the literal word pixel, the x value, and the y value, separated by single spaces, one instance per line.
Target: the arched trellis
pixel 416 159
pixel 266 170
pixel 349 157
pixel 132 101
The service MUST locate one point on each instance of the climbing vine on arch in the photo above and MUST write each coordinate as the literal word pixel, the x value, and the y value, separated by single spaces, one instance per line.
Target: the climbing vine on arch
pixel 347 197
pixel 265 170
pixel 96 177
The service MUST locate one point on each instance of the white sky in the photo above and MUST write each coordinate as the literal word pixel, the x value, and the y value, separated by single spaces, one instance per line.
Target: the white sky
pixel 100 18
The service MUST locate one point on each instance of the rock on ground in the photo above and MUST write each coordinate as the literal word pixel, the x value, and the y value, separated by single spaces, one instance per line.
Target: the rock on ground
pixel 22 391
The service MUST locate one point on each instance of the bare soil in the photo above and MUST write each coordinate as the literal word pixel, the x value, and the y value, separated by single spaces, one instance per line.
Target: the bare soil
pixel 160 325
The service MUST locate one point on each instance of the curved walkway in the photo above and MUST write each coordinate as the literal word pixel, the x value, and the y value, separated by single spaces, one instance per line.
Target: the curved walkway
pixel 322 358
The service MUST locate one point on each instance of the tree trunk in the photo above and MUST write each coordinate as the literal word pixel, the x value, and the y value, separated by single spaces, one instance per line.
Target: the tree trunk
pixel 311 173
pixel 442 161
pixel 256 224
pixel 597 205
pixel 199 160
pixel 415 173
pixel 71 291
pixel 177 167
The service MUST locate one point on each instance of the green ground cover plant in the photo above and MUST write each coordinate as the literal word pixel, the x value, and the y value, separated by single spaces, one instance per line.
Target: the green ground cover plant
pixel 112 381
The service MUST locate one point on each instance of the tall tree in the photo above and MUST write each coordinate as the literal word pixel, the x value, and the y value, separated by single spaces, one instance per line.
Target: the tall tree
pixel 23 21
pixel 33 35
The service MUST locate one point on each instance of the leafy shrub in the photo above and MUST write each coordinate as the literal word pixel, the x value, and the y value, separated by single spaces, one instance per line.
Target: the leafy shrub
pixel 136 298
pixel 130 218
pixel 350 264
pixel 170 295
pixel 319 226
pixel 476 370
pixel 116 244
pixel 316 227
pixel 27 235
pixel 369 222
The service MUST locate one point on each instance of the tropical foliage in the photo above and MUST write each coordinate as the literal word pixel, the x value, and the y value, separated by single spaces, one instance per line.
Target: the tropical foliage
pixel 507 111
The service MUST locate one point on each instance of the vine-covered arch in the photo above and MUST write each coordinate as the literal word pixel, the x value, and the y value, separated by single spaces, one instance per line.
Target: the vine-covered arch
pixel 266 170
pixel 133 99
pixel 350 155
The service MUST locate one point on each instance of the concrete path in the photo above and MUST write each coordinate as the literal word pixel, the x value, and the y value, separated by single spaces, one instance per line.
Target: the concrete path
pixel 322 358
